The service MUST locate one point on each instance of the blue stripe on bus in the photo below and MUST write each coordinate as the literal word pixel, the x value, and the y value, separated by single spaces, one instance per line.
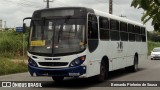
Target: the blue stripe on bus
pixel 56 72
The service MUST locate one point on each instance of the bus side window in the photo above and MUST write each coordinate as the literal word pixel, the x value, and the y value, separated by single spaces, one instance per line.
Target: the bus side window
pixel 143 34
pixel 138 32
pixel 114 30
pixel 131 32
pixel 123 31
pixel 104 28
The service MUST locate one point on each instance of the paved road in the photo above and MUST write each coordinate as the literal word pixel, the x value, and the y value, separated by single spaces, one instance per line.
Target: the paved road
pixel 148 71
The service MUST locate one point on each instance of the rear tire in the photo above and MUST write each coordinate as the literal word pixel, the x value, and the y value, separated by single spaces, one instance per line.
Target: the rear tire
pixel 133 68
pixel 104 69
pixel 57 78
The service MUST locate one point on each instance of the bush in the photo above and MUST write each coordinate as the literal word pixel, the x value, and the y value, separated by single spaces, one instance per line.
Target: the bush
pixel 152 45
pixel 11 44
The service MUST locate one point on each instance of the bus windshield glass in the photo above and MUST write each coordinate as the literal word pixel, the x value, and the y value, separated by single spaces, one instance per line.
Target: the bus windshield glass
pixel 57 35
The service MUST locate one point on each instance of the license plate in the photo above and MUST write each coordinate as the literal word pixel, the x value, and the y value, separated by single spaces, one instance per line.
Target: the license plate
pixel 74 74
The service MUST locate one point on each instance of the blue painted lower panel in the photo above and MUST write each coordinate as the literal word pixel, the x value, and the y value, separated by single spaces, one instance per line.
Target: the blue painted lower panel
pixel 56 72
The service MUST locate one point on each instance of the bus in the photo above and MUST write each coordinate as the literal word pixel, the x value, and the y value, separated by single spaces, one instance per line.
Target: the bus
pixel 82 42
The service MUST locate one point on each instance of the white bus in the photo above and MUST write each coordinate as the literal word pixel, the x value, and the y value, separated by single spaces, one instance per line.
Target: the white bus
pixel 81 42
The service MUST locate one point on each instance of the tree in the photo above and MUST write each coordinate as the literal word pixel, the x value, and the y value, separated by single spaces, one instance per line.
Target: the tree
pixel 151 11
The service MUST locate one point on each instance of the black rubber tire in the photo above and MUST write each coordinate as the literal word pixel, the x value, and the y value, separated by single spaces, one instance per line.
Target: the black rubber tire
pixel 104 69
pixel 57 78
pixel 134 67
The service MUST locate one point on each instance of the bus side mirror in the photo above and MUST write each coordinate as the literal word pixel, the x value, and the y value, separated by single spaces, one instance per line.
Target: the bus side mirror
pixel 24 27
pixel 24 24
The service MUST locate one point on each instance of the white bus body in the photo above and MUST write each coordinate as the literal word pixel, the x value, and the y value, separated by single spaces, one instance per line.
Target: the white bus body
pixel 116 54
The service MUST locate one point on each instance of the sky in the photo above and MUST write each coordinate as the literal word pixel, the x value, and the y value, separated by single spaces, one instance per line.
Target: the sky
pixel 13 11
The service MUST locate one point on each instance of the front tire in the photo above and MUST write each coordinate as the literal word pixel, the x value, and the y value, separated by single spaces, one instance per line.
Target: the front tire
pixel 57 78
pixel 104 69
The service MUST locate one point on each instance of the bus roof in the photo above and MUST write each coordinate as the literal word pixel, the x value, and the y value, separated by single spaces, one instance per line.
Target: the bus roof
pixel 100 13
pixel 57 8
pixel 107 15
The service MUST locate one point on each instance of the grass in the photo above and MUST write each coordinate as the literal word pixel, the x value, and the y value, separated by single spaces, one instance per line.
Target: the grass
pixel 152 45
pixel 9 67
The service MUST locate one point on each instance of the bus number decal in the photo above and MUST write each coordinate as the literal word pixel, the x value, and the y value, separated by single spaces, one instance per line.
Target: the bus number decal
pixel 38 43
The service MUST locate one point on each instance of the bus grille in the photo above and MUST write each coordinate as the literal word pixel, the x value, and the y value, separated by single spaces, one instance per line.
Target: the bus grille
pixel 53 63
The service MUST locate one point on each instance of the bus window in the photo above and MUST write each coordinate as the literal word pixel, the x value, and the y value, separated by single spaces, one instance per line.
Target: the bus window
pixel 131 37
pixel 143 34
pixel 104 34
pixel 138 32
pixel 114 25
pixel 104 28
pixel 131 32
pixel 130 28
pixel 123 27
pixel 92 18
pixel 124 36
pixel 115 35
pixel 114 30
pixel 138 37
pixel 143 31
pixel 123 31
pixel 103 23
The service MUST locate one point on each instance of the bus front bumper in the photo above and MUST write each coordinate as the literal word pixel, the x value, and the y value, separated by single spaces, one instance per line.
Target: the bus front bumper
pixel 65 72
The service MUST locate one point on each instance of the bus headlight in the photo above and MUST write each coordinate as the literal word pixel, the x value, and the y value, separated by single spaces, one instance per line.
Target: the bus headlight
pixel 32 62
pixel 78 61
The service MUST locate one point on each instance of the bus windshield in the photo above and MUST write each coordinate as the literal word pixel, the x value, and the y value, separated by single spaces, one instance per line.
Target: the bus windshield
pixel 57 35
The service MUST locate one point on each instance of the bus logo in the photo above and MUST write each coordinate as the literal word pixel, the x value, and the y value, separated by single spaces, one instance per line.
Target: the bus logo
pixel 6 84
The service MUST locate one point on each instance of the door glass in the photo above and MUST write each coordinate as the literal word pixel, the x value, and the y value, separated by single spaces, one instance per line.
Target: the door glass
pixel 92 32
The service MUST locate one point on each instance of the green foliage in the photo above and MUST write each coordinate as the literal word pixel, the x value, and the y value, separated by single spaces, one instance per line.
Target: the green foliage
pixel 152 11
pixel 11 44
pixel 152 45
pixel 153 36
pixel 153 41
pixel 9 67
pixel 11 47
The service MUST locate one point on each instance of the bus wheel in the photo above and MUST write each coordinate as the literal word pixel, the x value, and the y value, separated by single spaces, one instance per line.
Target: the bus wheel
pixel 133 68
pixel 57 78
pixel 103 72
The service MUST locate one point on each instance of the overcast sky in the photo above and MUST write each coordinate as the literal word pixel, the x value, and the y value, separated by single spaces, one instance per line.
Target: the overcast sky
pixel 13 11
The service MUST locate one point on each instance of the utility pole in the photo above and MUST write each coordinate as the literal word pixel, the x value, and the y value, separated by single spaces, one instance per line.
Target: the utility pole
pixel 47 1
pixel 110 6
